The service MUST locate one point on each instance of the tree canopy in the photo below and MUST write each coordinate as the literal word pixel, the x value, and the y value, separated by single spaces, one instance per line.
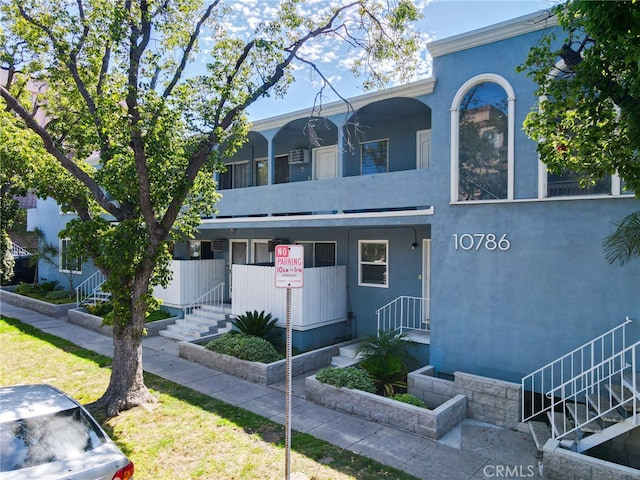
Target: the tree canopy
pixel 143 98
pixel 588 118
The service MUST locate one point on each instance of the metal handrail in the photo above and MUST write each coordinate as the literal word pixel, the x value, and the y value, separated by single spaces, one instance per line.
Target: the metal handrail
pixel 404 313
pixel 579 360
pixel 89 287
pixel 215 296
pixel 608 372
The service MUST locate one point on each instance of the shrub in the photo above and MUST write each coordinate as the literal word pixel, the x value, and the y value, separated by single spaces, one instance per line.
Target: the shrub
pixel 349 377
pixel 99 309
pixel 410 399
pixel 254 323
pixel 57 295
pixel 245 347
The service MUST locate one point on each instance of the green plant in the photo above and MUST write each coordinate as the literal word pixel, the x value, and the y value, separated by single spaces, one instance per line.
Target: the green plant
pixel 254 323
pixel 57 295
pixel 244 347
pixel 385 358
pixel 100 308
pixel 349 377
pixel 410 399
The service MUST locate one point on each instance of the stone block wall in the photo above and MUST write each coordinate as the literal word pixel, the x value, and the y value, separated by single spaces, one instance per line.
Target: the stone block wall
pixel 488 400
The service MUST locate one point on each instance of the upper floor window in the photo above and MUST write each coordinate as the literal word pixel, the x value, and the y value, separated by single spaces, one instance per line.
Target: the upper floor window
pixel 567 184
pixel 374 157
pixel 236 176
pixel 68 263
pixel 262 171
pixel 482 140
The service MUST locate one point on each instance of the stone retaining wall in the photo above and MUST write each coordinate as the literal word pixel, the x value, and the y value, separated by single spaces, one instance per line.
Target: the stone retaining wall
pixel 422 421
pixel 488 400
pixel 45 308
pixel 563 464
pixel 263 373
pixel 93 322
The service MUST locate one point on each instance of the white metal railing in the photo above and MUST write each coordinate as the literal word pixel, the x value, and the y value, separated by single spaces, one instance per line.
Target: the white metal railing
pixel 90 286
pixel 612 383
pixel 570 366
pixel 213 297
pixel 18 251
pixel 404 313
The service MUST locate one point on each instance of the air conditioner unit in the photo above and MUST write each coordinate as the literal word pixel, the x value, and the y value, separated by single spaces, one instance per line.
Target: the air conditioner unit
pixel 301 155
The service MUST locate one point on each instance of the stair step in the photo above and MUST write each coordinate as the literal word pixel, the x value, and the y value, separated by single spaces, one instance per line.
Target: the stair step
pixel 341 361
pixel 581 414
pixel 624 396
pixel 540 432
pixel 613 416
pixel 559 424
pixel 627 380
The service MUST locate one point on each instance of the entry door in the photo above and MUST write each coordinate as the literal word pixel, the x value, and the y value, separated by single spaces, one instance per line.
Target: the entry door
pixel 426 279
pixel 423 141
pixel 325 162
pixel 239 250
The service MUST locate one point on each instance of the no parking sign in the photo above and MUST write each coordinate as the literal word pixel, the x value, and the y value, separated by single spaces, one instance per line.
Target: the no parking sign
pixel 289 266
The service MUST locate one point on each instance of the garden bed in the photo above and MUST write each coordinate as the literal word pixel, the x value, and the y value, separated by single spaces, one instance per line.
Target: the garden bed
pixel 422 421
pixel 262 373
pixel 46 308
pixel 93 322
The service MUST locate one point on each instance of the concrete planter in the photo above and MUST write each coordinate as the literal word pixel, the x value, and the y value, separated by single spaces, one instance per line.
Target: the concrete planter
pixel 93 322
pixel 422 421
pixel 262 373
pixel 45 308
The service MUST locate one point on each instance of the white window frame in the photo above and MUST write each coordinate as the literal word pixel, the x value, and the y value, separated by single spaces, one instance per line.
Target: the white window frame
pixel 455 134
pixel 361 283
pixel 423 163
pixel 387 160
pixel 62 244
pixel 266 162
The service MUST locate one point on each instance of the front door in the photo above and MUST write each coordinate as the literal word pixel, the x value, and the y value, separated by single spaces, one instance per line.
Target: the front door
pixel 325 161
pixel 239 250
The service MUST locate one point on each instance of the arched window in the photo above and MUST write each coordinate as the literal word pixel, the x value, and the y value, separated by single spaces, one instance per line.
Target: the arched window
pixel 482 126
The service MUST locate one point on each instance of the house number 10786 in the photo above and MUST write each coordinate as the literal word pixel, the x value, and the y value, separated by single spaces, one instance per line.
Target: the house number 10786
pixel 476 241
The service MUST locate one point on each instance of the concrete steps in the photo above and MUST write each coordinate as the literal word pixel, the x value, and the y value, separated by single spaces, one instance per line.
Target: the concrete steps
pixel 348 356
pixel 201 322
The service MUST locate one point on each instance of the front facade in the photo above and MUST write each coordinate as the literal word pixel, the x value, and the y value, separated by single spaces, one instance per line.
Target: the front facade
pixel 431 193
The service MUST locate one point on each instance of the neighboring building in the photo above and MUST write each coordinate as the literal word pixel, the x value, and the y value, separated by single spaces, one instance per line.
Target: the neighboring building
pixel 437 195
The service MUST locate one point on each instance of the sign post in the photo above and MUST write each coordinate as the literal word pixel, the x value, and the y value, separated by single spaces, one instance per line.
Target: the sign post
pixel 289 274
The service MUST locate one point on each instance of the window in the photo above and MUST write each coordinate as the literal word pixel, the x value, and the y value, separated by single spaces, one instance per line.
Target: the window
pixel 262 172
pixel 200 249
pixel 67 262
pixel 236 176
pixel 568 184
pixel 319 254
pixel 482 140
pixel 373 261
pixel 282 169
pixel 374 157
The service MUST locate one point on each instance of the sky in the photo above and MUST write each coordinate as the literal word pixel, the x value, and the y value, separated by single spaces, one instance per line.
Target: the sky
pixel 442 19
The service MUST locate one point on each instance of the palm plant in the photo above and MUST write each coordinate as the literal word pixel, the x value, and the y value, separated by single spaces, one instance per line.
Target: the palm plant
pixel 255 324
pixel 386 359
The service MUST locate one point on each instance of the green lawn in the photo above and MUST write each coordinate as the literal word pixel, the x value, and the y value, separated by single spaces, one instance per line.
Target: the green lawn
pixel 185 435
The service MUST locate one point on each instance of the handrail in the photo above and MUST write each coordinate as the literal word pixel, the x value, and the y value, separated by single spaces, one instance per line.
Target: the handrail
pixel 18 251
pixel 608 372
pixel 572 365
pixel 405 312
pixel 89 287
pixel 215 296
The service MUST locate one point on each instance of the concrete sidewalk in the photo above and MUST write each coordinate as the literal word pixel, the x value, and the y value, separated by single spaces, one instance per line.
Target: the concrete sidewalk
pixel 471 451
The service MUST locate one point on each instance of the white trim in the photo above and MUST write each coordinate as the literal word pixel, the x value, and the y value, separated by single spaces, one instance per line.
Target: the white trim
pixel 426 274
pixel 314 159
pixel 420 162
pixel 329 216
pixel 493 33
pixel 455 131
pixel 60 249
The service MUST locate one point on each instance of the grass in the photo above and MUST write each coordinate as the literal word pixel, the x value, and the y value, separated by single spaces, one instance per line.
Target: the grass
pixel 186 434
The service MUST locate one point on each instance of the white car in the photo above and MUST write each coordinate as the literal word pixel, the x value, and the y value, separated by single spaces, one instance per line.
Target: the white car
pixel 47 435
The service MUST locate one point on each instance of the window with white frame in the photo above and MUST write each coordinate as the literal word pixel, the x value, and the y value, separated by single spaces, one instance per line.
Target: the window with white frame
pixel 482 140
pixel 373 261
pixel 262 171
pixel 319 254
pixel 68 263
pixel 374 157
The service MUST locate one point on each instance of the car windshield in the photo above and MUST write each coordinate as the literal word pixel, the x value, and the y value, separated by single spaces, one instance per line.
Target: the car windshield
pixel 59 436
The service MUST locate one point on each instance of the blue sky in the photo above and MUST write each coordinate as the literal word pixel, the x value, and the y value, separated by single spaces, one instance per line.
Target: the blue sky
pixel 442 19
